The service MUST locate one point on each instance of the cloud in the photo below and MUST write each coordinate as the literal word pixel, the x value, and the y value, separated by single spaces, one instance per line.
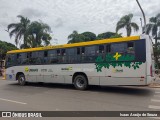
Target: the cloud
pixel 32 13
pixel 64 16
pixel 58 23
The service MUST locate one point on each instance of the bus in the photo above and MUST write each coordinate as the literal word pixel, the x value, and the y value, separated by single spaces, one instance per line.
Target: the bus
pixel 116 61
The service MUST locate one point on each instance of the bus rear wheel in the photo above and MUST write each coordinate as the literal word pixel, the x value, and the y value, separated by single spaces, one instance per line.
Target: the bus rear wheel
pixel 80 82
pixel 21 80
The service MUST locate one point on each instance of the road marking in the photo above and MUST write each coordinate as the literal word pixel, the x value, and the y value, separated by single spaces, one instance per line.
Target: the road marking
pixel 157 92
pixel 158 118
pixel 154 107
pixel 156 95
pixel 13 101
pixel 155 100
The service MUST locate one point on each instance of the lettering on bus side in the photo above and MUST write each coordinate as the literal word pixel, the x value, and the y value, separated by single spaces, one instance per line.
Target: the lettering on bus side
pixel 50 70
pixel 117 70
pixel 33 70
pixel 30 70
pixel 68 68
pixel 43 70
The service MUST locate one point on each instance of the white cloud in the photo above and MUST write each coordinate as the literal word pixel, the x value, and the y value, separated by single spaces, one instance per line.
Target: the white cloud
pixel 64 16
pixel 33 13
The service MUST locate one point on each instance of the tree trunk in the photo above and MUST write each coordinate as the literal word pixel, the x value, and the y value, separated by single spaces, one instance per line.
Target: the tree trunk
pixel 24 40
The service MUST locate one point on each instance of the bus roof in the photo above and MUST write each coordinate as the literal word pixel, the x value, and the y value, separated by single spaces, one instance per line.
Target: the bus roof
pixel 96 42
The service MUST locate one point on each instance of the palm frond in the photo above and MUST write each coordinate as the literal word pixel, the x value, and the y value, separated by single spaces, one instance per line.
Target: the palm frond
pixel 158 23
pixel 149 28
pixel 135 26
pixel 153 20
pixel 154 30
pixel 120 25
pixel 158 16
pixel 12 25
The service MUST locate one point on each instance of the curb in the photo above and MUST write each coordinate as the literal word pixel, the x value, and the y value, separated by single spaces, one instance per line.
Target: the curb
pixel 154 85
pixel 1 78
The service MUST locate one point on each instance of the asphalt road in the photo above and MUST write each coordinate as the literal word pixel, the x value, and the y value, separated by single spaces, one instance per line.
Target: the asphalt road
pixel 56 97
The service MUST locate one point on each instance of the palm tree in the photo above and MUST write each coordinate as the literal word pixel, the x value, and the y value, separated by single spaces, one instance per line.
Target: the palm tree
pixel 38 32
pixel 126 22
pixel 152 27
pixel 19 29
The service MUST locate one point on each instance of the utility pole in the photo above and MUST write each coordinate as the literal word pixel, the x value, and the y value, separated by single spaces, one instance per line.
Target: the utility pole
pixel 144 17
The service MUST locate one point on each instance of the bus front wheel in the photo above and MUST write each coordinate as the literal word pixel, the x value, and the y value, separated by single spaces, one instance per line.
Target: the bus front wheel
pixel 80 82
pixel 21 80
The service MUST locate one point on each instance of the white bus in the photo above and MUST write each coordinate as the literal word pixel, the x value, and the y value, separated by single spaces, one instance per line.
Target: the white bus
pixel 2 66
pixel 117 61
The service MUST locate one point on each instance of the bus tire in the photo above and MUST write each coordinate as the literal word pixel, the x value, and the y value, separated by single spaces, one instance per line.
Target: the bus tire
pixel 21 80
pixel 80 82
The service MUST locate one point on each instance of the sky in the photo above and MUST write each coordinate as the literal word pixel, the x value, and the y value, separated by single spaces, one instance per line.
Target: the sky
pixel 65 16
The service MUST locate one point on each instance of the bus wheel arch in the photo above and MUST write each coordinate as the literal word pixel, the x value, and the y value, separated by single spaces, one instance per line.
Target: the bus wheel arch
pixel 20 77
pixel 80 80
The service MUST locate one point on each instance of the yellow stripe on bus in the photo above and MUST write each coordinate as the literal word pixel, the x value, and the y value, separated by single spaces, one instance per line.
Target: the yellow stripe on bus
pixel 96 42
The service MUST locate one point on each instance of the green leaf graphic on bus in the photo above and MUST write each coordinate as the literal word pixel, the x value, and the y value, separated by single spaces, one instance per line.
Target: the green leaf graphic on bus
pixel 116 60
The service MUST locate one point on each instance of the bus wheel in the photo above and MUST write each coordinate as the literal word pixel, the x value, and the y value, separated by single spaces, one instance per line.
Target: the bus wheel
pixel 80 82
pixel 21 80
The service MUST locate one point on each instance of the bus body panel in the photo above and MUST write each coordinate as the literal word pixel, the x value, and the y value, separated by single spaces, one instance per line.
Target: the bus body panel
pixel 149 59
pixel 64 73
pixel 112 75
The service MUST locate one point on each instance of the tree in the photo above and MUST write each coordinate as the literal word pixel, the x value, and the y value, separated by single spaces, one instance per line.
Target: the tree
pixel 34 34
pixel 89 36
pixel 38 33
pixel 5 47
pixel 153 27
pixel 126 22
pixel 75 37
pixel 108 35
pixel 116 35
pixel 19 30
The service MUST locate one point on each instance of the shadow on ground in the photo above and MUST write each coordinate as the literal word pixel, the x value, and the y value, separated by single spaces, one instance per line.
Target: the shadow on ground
pixel 130 90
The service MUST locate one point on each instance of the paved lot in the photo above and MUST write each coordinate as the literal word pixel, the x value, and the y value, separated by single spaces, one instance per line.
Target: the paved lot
pixel 56 97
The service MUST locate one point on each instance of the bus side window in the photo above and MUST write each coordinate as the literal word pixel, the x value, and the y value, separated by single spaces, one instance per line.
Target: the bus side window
pixel 45 60
pixel 33 58
pixel 18 56
pixel 88 53
pixel 27 61
pixel 29 54
pixel 78 56
pixel 100 49
pixel 21 58
pixel 108 48
pixel 71 55
pixel 40 57
pixel 64 58
pixel 63 51
pixel 8 61
pixel 45 53
pixel 130 47
pixel 18 59
pixel 52 56
pixel 119 47
pixel 59 56
pixel 78 51
pixel 83 50
pixel 58 52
